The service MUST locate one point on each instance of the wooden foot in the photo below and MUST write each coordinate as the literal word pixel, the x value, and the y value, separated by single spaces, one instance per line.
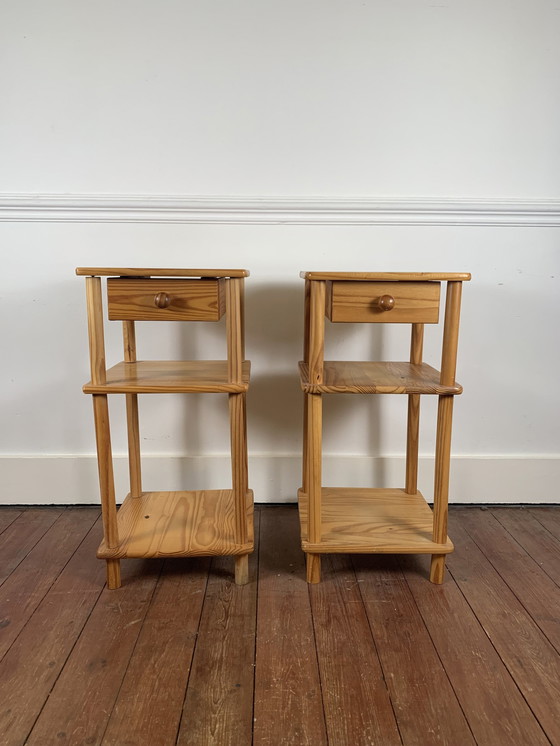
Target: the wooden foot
pixel 113 574
pixel 242 569
pixel 313 568
pixel 437 568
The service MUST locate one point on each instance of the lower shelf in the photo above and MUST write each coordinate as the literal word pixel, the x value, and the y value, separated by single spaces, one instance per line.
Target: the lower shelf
pixel 368 521
pixel 179 524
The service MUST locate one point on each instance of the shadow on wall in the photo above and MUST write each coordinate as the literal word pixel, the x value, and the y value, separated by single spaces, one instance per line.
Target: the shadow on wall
pixel 274 330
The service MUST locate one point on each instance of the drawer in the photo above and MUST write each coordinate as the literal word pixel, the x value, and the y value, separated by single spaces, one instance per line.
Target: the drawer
pixel 383 302
pixel 136 299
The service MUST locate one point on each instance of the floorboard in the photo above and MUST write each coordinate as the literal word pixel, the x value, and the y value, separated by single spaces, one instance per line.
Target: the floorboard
pixel 21 535
pixel 288 702
pixel 526 579
pixel 149 702
pixel 356 700
pixel 374 655
pixel 529 657
pixel 426 707
pixel 493 705
pixel 218 709
pixel 26 679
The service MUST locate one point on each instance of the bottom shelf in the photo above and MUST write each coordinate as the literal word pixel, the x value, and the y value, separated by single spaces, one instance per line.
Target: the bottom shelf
pixel 179 524
pixel 366 521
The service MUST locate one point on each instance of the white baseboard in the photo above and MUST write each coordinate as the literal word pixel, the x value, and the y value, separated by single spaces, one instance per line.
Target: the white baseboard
pixel 72 480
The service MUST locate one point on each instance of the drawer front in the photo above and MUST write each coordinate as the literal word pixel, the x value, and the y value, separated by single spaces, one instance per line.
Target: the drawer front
pixel 133 299
pixel 383 302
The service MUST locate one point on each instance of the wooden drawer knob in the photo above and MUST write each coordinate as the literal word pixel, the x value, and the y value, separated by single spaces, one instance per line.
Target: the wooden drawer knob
pixel 162 300
pixel 385 303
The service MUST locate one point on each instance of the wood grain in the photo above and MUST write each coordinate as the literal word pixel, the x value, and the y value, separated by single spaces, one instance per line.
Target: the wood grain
pixel 240 484
pixel 314 502
pixel 38 654
pixel 529 657
pixel 316 332
pixel 94 303
pixel 441 484
pixel 489 698
pixel 357 706
pixel 170 377
pixel 106 484
pixel 288 706
pixel 524 524
pixel 132 420
pixel 424 702
pixel 361 377
pixel 184 300
pixel 538 592
pixel 80 703
pixel 7 517
pixel 451 333
pixel 161 272
pixel 383 302
pixel 364 520
pixel 549 517
pixel 413 416
pixel 179 524
pixel 234 330
pixel 387 276
pixel 26 586
pixel 148 707
pixel 20 536
pixel 218 709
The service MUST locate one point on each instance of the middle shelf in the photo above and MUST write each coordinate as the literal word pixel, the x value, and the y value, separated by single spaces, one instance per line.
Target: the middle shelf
pixel 364 377
pixel 170 377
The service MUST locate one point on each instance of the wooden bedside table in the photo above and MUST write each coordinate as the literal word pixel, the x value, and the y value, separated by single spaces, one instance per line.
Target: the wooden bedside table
pixel 169 524
pixel 378 520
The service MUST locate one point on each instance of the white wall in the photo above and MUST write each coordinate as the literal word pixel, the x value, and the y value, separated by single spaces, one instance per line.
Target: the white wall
pixel 290 136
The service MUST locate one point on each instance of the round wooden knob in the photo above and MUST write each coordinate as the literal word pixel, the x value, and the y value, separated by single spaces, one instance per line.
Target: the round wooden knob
pixel 386 303
pixel 162 300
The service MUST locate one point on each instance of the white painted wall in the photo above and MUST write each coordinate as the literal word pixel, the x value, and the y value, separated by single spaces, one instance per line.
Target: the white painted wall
pixel 373 100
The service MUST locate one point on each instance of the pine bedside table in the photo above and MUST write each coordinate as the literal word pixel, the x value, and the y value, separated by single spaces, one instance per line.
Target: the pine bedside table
pixel 378 520
pixel 169 524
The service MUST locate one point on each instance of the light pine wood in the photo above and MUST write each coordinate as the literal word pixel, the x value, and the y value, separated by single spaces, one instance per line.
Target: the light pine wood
pixel 171 377
pixel 106 485
pixel 180 524
pixel 387 276
pixel 316 331
pixel 413 420
pixel 160 272
pixel 441 484
pixel 383 302
pixel 212 522
pixel 388 520
pixel 306 316
pixel 314 460
pixel 241 569
pixel 451 333
pixel 237 417
pixel 369 521
pixel 445 416
pixel 94 304
pixel 234 330
pixel 165 300
pixel 132 421
pixel 364 377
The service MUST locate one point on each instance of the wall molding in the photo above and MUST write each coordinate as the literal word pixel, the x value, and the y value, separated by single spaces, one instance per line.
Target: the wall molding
pixel 72 479
pixel 108 208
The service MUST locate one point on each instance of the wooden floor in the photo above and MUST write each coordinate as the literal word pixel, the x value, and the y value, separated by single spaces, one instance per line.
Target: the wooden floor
pixel 374 654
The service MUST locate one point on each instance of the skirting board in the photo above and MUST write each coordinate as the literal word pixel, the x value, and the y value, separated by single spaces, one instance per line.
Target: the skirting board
pixel 72 480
